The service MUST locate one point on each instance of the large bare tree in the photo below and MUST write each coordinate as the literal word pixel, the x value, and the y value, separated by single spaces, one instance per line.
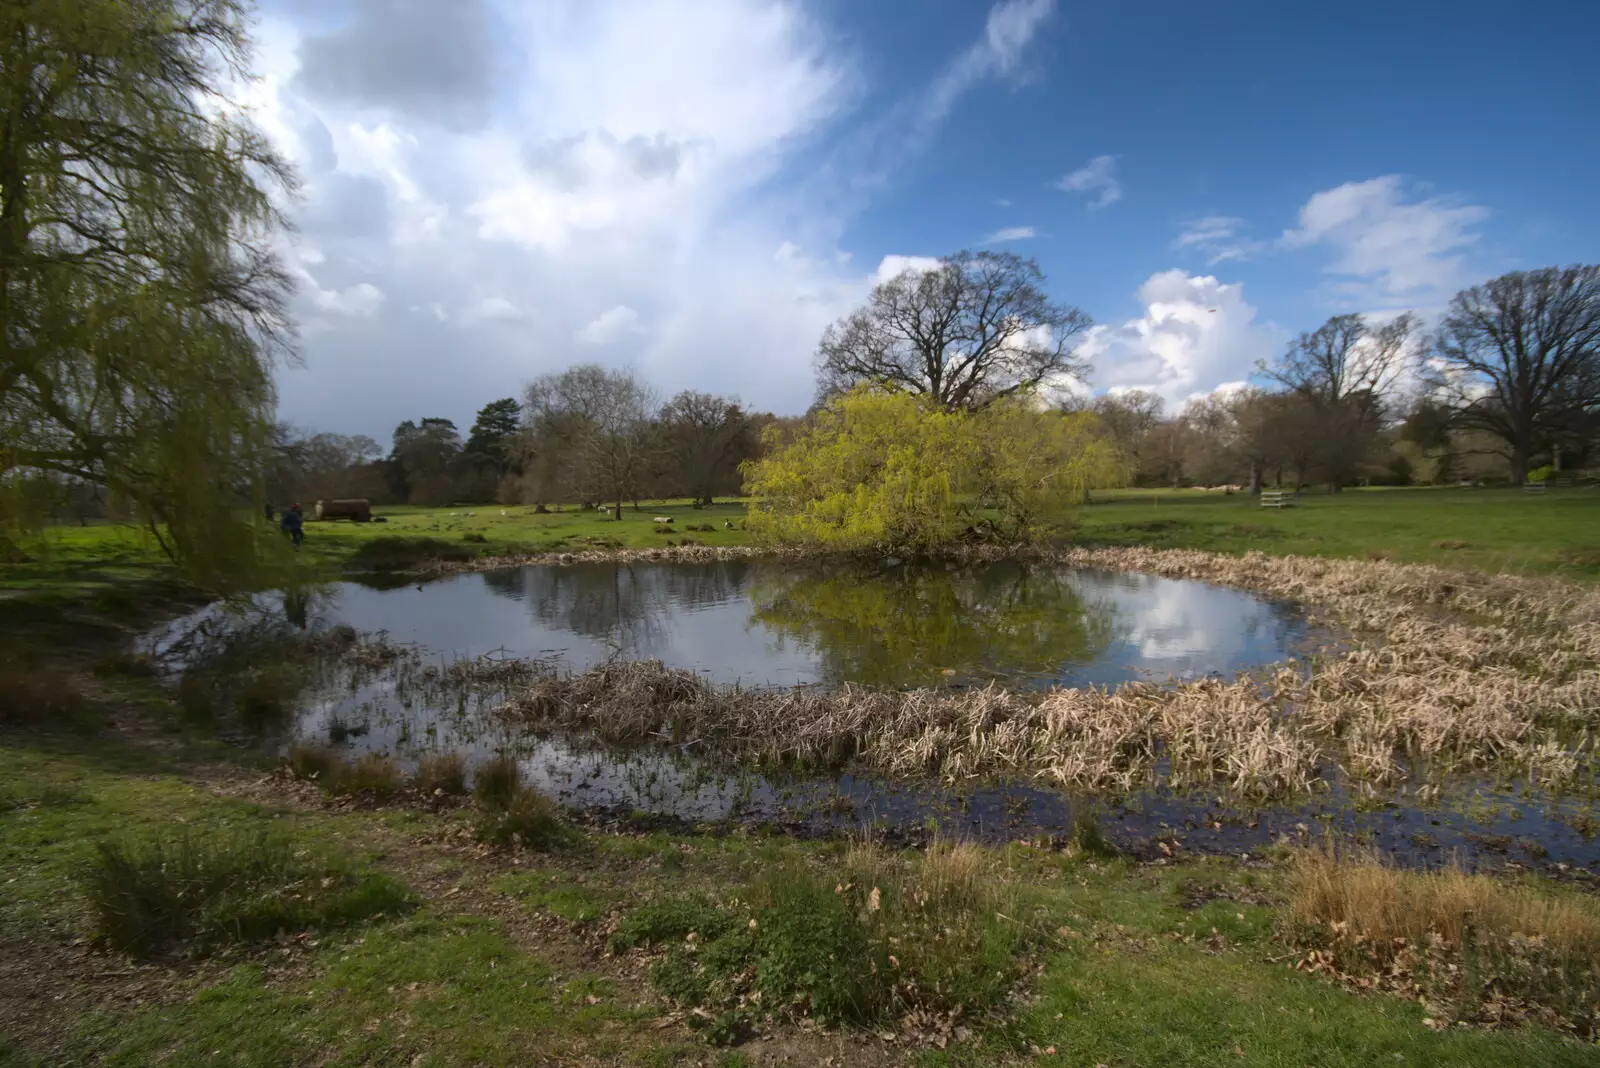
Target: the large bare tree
pixel 595 426
pixel 1346 359
pixel 706 438
pixel 1342 373
pixel 1519 357
pixel 976 328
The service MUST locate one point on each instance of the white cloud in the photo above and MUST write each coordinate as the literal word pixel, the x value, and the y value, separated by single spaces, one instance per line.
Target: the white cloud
pixel 611 326
pixel 647 155
pixel 1218 238
pixel 1009 233
pixel 363 299
pixel 491 307
pixel 1392 245
pixel 894 266
pixel 1098 176
pixel 1195 331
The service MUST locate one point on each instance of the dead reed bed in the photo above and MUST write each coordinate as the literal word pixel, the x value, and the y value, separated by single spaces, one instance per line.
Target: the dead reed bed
pixel 1434 669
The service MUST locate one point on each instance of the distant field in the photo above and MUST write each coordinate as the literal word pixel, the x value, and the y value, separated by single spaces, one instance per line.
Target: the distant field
pixel 1482 529
pixel 1490 530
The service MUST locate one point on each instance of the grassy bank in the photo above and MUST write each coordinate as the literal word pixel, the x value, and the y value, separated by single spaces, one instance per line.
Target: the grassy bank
pixel 619 947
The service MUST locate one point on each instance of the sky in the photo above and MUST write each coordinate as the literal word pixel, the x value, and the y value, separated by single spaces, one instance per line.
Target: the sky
pixel 694 189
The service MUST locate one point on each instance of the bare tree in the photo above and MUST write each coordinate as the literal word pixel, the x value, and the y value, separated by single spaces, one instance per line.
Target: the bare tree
pixel 1343 372
pixel 1345 359
pixel 597 425
pixel 706 438
pixel 1128 419
pixel 1519 357
pixel 975 328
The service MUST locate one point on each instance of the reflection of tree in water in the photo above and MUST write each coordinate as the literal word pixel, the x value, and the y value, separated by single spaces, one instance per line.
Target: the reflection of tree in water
pixel 631 607
pixel 905 626
pixel 509 582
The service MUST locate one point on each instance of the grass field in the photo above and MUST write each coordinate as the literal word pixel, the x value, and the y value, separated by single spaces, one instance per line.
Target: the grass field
pixel 498 962
pixel 1480 529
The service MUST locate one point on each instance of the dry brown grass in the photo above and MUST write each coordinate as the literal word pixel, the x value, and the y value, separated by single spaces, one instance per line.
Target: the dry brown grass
pixel 1465 670
pixel 1386 906
pixel 1473 947
pixel 441 773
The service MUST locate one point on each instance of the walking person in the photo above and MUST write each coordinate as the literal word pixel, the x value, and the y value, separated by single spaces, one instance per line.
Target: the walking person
pixel 292 525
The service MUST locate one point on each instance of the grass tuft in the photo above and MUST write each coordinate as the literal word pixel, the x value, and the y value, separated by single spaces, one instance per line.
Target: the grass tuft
pixel 373 775
pixel 315 763
pixel 495 782
pixel 880 938
pixel 147 896
pixel 441 774
pixel 529 819
pixel 1484 950
pixel 37 694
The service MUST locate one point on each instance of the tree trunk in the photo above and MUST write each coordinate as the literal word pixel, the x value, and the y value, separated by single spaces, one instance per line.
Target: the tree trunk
pixel 1255 478
pixel 1519 464
pixel 619 508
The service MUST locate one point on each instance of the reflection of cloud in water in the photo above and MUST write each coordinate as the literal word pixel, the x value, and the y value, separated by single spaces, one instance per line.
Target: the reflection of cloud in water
pixel 758 623
pixel 1169 627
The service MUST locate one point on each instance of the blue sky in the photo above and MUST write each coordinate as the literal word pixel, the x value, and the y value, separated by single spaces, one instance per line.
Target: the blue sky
pixel 694 188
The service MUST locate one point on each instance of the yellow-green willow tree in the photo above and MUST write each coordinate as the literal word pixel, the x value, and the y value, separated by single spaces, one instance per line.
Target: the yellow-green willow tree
pixel 142 306
pixel 892 473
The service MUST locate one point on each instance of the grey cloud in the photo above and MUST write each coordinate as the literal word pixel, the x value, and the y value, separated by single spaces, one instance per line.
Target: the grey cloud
pixel 425 58
pixel 561 159
pixel 344 206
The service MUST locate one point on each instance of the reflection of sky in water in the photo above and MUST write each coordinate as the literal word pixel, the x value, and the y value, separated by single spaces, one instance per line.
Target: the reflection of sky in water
pixel 702 617
pixel 1165 627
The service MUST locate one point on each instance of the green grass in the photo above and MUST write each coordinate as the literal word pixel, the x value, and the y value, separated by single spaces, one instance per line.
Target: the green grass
pixel 1483 529
pixel 1128 970
pixel 212 892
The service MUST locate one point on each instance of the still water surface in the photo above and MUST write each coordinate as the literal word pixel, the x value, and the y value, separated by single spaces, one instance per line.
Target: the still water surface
pixel 766 623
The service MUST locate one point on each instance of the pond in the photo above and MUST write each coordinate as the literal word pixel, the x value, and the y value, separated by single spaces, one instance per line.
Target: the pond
pixel 766 623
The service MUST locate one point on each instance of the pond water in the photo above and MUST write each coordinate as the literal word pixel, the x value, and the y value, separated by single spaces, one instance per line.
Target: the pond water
pixel 766 623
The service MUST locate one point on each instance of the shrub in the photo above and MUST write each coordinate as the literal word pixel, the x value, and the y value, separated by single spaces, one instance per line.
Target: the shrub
pixel 39 694
pixel 1542 474
pixel 442 773
pixel 880 939
pixel 268 694
pixel 495 782
pixel 1471 945
pixel 126 664
pixel 1090 837
pixel 373 775
pixel 209 892
pixel 528 819
pixel 315 763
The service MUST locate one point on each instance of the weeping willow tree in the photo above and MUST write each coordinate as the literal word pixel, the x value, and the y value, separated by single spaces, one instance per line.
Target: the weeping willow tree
pixel 883 472
pixel 142 305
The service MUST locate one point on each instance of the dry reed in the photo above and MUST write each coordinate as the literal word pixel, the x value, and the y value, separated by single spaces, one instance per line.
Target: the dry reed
pixel 1462 670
